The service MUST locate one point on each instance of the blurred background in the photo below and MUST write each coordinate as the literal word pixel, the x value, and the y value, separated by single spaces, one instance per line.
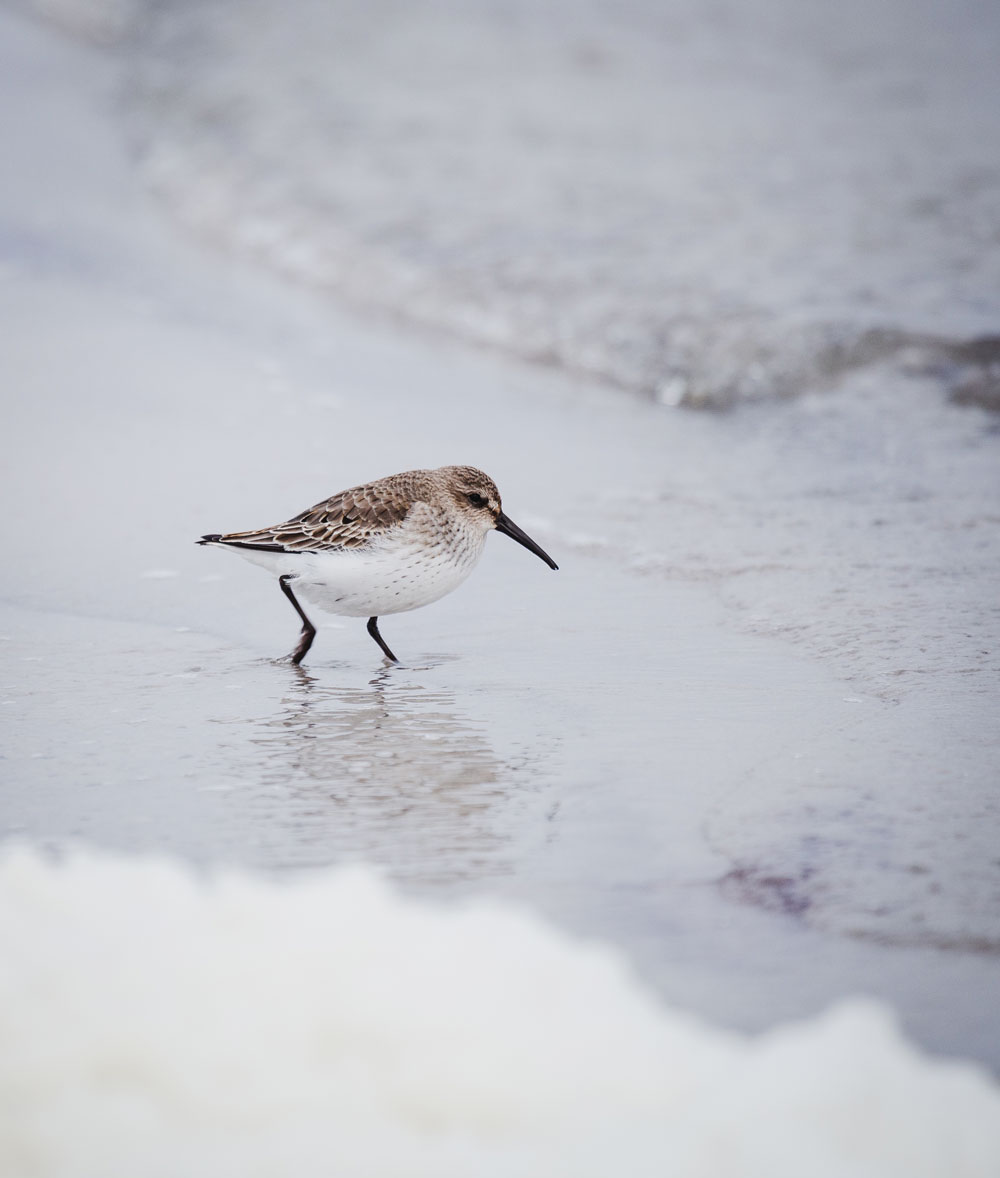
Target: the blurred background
pixel 705 203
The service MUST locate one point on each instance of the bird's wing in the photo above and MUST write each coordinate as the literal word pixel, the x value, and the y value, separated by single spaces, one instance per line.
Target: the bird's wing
pixel 349 519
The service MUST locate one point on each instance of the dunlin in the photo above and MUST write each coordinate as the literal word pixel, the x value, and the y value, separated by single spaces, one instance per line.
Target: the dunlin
pixel 382 548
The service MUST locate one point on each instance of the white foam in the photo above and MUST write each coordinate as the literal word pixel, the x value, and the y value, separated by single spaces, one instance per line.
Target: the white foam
pixel 156 1023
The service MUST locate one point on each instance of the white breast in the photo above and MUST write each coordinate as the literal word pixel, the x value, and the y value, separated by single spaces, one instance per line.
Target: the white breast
pixel 409 566
pixel 373 583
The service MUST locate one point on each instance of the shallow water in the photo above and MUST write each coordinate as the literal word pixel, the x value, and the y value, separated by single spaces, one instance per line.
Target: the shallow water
pixel 746 733
pixel 708 206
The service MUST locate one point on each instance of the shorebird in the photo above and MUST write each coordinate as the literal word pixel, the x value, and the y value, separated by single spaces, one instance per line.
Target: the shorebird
pixel 382 548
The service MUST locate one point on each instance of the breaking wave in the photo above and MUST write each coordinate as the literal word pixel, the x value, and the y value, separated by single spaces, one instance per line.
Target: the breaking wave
pixel 703 205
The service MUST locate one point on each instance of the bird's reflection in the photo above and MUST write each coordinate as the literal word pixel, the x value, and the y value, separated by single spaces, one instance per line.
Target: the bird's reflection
pixel 387 773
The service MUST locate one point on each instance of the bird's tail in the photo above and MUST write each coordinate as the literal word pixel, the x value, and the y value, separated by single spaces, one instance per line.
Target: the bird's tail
pixel 264 541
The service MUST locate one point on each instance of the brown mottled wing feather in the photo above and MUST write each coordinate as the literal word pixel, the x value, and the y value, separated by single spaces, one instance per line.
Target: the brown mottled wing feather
pixel 349 519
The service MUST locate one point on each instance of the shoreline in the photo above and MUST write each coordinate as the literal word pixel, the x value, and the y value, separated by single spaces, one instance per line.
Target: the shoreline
pixel 710 686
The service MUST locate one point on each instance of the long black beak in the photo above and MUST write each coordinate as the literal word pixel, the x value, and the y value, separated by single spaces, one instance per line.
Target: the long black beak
pixel 509 528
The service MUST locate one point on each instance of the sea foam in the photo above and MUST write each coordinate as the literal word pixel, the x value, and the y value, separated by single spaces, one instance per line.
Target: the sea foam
pixel 156 1021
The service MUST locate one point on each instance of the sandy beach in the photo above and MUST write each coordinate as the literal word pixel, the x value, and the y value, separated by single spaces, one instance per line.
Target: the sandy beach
pixel 746 735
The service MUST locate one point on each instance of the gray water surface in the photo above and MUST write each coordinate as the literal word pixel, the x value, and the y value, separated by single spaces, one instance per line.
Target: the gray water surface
pixel 747 732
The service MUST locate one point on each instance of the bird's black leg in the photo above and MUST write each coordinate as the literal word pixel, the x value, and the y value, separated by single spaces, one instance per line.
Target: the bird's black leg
pixel 373 631
pixel 308 629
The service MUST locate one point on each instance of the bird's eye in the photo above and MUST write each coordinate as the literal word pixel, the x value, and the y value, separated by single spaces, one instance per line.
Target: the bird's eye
pixel 476 500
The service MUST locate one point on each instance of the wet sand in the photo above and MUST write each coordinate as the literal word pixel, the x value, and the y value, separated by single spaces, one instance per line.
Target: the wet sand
pixel 746 733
